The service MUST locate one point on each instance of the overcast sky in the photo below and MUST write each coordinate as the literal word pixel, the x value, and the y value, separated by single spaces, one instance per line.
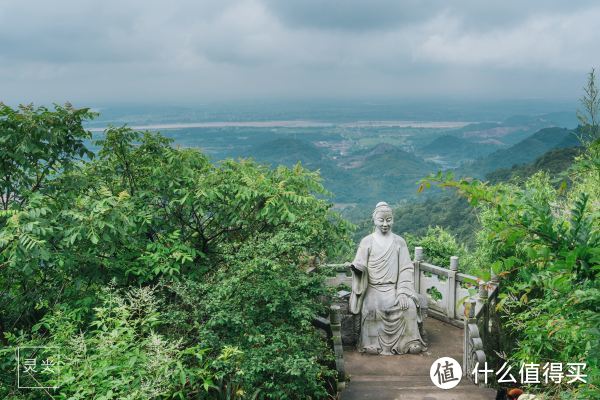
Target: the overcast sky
pixel 195 51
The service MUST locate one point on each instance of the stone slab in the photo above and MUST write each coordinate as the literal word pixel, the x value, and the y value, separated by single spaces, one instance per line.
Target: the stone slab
pixel 406 377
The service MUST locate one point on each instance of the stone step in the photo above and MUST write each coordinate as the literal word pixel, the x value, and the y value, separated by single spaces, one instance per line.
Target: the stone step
pixel 407 381
pixel 417 380
pixel 418 394
pixel 386 389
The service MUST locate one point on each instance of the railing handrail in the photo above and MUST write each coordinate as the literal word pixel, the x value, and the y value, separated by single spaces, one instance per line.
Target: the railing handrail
pixel 434 269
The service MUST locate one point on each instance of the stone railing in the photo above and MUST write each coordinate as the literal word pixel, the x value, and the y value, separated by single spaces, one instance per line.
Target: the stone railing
pixel 462 300
pixel 448 290
pixel 481 329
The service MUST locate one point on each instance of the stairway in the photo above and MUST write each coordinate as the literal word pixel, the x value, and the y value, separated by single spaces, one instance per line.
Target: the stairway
pixel 406 377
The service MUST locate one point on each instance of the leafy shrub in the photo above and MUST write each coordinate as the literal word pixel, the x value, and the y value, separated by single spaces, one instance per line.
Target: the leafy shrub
pixel 544 244
pixel 141 213
pixel 121 356
pixel 439 245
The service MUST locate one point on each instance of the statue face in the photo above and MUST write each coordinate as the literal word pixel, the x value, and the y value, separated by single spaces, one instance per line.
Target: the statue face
pixel 383 221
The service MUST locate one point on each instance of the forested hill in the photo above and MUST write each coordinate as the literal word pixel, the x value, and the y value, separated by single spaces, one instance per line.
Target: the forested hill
pixel 523 152
pixel 555 162
pixel 455 147
pixel 385 171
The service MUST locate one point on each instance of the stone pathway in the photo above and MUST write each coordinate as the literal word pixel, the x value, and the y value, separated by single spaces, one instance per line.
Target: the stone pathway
pixel 406 377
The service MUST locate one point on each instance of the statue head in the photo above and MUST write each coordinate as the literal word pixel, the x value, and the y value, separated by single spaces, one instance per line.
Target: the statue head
pixel 383 217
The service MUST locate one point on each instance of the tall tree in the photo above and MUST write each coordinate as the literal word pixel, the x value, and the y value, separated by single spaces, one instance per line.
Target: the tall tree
pixel 35 144
pixel 589 130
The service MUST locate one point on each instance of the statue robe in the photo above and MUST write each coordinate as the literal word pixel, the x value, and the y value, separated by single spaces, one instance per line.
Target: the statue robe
pixel 381 273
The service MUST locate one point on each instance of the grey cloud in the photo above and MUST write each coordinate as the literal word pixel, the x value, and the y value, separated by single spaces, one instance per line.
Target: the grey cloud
pixel 92 31
pixel 362 15
pixel 351 15
pixel 201 50
pixel 477 15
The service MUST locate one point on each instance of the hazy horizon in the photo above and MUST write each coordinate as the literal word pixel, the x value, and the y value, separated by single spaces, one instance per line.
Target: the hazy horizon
pixel 331 112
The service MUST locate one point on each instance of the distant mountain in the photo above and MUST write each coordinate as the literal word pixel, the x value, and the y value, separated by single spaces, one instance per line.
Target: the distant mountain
pixel 562 119
pixel 387 172
pixel 523 152
pixel 452 147
pixel 515 128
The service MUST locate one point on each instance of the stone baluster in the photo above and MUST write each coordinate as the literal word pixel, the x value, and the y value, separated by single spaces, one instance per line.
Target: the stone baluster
pixel 451 293
pixel 495 279
pixel 336 329
pixel 485 312
pixel 470 320
pixel 417 264
pixel 483 294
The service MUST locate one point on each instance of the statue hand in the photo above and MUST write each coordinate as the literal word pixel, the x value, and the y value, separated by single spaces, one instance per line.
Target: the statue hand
pixel 402 301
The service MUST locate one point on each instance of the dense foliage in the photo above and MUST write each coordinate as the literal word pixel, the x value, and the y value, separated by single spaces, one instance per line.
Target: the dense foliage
pixel 439 245
pixel 146 254
pixel 544 244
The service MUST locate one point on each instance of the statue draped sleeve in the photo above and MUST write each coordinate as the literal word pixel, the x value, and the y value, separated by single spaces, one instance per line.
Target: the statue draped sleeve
pixel 405 284
pixel 360 275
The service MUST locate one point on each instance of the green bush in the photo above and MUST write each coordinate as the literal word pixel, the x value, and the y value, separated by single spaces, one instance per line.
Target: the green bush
pixel 439 245
pixel 121 355
pixel 226 246
pixel 544 244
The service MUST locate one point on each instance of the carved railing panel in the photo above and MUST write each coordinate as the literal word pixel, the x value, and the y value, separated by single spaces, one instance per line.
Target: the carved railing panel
pixel 431 284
